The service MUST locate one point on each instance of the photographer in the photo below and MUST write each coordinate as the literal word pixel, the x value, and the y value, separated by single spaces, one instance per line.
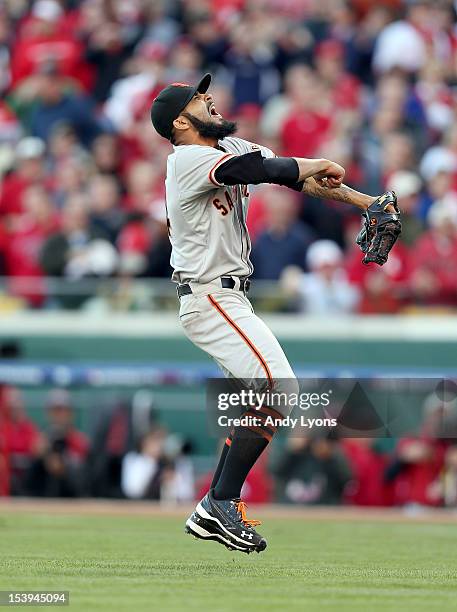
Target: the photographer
pixel 311 470
pixel 56 472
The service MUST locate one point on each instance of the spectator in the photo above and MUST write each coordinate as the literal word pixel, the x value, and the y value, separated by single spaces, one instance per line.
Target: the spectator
pixel 112 440
pixel 384 290
pixel 251 66
pixel 324 290
pixel 106 155
pixel 419 459
pixel 297 80
pixel 247 121
pixel 57 470
pixel 407 186
pixel 161 28
pixel 207 34
pixel 368 463
pixel 362 43
pixel 133 244
pixel 78 250
pixel 160 251
pixel 25 241
pixel 284 240
pixel 129 93
pixel 398 153
pixel 308 124
pixel 4 465
pixel 144 183
pixel 108 47
pixel 19 439
pixel 157 471
pixel 42 38
pixel 55 106
pixel 311 471
pixel 105 211
pixel 71 180
pixel 403 44
pixel 385 121
pixel 444 488
pixel 433 278
pixel 29 170
pixel 435 96
pixel 144 245
pixel 64 148
pixel 118 425
pixel 345 88
pixel 183 61
pixel 442 157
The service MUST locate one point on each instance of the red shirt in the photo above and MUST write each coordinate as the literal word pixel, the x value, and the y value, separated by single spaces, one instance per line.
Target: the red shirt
pixel 396 268
pixel 24 245
pixel 18 439
pixel 22 249
pixel 12 190
pixel 29 53
pixel 257 217
pixel 413 483
pixel 367 487
pixel 20 436
pixel 394 273
pixel 346 93
pixel 304 132
pixel 11 194
pixel 134 238
pixel 77 444
pixel 438 256
pixel 4 462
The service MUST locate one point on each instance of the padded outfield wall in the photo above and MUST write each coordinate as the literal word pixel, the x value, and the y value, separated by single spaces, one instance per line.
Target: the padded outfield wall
pixel 429 342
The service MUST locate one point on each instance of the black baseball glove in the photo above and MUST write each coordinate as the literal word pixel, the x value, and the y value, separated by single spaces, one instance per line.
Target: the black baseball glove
pixel 380 229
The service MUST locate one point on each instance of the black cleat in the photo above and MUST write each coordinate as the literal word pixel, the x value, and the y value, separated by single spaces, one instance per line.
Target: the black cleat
pixel 225 521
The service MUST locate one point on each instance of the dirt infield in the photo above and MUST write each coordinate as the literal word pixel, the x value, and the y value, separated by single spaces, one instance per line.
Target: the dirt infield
pixel 153 509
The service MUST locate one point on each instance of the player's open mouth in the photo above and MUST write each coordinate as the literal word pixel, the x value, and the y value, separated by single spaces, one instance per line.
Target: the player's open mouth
pixel 212 111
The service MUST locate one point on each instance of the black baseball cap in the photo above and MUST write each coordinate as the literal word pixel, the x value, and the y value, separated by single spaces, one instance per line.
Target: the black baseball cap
pixel 170 102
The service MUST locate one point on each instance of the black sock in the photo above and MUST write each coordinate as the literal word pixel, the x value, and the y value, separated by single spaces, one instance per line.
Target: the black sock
pixel 246 448
pixel 222 458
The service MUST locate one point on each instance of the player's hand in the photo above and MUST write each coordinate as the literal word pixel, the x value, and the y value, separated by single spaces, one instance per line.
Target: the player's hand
pixel 332 176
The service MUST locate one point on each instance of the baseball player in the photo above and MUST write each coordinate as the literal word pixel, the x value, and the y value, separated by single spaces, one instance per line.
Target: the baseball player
pixel 207 198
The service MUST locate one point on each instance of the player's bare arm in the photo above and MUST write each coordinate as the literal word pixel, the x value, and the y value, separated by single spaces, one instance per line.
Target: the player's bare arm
pixel 322 170
pixel 342 193
pixel 381 216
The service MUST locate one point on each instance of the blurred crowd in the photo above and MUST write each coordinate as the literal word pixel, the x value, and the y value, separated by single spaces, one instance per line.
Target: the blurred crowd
pixel 368 83
pixel 131 455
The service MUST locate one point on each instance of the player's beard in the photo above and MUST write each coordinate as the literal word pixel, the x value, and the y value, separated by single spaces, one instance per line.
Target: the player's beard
pixel 209 129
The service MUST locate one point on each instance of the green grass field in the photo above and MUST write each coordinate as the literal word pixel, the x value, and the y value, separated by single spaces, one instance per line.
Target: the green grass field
pixel 139 563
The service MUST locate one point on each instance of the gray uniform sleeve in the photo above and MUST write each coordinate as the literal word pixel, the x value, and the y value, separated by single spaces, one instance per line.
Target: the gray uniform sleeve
pixel 195 168
pixel 251 147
